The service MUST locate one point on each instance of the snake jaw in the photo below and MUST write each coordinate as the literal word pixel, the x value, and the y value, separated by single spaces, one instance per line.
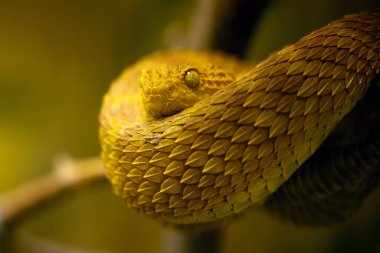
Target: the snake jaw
pixel 164 92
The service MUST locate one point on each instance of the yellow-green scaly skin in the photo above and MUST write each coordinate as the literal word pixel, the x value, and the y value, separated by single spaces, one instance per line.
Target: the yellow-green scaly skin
pixel 162 82
pixel 233 149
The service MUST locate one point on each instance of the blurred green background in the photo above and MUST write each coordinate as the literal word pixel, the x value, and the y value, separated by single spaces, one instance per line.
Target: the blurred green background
pixel 57 59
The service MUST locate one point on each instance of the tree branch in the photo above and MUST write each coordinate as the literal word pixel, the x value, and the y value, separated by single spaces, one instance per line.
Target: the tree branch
pixel 65 174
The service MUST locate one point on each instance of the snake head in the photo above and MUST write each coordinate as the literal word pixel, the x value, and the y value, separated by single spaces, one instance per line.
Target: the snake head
pixel 178 84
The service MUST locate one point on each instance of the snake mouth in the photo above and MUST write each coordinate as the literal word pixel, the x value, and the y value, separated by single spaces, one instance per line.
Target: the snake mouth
pixel 160 109
pixel 154 109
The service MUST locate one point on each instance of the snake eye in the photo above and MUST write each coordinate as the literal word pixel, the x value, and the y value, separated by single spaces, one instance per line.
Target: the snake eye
pixel 192 78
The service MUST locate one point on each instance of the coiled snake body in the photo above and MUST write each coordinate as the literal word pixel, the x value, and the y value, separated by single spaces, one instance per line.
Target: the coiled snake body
pixel 236 147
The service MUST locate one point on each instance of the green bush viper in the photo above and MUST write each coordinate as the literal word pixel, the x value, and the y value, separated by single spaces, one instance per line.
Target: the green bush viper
pixel 191 137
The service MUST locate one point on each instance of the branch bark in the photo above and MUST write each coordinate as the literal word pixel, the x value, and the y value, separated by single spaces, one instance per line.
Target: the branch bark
pixel 208 241
pixel 65 174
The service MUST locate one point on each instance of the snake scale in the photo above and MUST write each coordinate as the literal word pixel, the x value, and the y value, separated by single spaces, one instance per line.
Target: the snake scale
pixel 239 144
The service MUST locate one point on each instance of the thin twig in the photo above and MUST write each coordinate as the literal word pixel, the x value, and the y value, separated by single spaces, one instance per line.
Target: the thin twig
pixel 66 173
pixel 201 242
pixel 204 22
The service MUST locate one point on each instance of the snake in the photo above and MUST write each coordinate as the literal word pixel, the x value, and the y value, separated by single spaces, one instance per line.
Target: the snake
pixel 197 137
